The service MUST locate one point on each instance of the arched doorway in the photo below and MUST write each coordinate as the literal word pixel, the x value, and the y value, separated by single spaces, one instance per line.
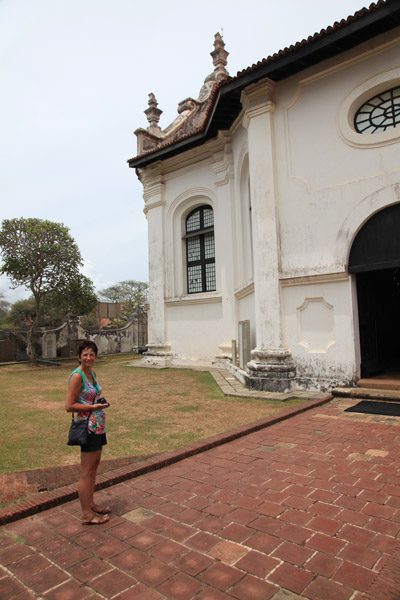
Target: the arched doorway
pixel 375 260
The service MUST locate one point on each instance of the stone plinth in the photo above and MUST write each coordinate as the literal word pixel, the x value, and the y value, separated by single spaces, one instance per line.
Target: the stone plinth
pixel 158 355
pixel 270 370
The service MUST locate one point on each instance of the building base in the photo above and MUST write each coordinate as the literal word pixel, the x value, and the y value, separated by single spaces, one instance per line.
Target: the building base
pixel 158 355
pixel 271 370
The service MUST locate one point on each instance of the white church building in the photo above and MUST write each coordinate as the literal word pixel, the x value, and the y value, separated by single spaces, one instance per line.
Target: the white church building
pixel 273 208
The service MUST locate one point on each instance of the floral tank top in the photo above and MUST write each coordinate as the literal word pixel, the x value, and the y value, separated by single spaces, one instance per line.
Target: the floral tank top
pixel 90 394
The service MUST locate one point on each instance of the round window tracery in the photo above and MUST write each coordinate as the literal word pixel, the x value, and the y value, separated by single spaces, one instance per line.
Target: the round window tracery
pixel 379 113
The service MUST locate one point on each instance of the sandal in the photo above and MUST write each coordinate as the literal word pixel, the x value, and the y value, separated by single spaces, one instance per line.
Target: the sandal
pixel 101 510
pixel 96 520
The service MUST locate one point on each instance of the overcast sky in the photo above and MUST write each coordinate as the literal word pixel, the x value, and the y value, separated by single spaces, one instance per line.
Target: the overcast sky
pixel 75 77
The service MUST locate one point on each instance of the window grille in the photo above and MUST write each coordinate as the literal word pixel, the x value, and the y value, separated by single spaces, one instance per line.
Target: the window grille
pixel 380 113
pixel 200 250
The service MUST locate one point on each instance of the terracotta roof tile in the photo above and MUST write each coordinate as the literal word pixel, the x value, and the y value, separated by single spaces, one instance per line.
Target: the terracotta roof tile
pixel 211 102
pixel 311 38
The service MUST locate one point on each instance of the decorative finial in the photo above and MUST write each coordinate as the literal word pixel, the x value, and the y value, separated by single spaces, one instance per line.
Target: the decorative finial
pixel 153 113
pixel 219 56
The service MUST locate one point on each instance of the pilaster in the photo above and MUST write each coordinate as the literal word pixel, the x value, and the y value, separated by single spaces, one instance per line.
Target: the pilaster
pixel 271 366
pixel 222 166
pixel 159 350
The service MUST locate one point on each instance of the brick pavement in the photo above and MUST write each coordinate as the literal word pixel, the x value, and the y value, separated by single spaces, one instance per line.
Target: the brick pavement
pixel 308 507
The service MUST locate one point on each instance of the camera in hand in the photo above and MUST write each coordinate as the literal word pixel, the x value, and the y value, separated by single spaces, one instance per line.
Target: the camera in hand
pixel 102 401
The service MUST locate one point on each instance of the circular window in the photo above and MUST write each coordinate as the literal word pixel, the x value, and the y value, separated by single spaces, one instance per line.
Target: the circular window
pixel 379 113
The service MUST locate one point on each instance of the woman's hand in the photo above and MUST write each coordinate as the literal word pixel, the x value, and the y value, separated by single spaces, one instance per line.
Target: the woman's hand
pixel 100 406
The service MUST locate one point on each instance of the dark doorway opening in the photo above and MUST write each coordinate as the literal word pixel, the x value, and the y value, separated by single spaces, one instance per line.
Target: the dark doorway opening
pixel 379 322
pixel 375 260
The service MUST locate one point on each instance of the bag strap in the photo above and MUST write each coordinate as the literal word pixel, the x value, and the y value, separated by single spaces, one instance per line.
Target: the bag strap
pixel 73 415
pixel 77 370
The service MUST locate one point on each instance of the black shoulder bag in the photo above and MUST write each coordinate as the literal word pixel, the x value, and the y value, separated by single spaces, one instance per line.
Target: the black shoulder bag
pixel 78 432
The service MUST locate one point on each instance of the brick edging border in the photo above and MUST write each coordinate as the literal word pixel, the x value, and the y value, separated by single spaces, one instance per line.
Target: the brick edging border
pixel 386 584
pixel 46 500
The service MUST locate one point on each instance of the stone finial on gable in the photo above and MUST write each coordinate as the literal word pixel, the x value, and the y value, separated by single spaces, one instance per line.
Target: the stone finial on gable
pixel 219 56
pixel 153 113
pixel 192 113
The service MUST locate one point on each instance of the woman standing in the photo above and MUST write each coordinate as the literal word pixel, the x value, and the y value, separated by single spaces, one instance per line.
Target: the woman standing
pixel 84 391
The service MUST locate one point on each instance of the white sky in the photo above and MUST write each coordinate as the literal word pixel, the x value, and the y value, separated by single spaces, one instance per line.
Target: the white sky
pixel 75 77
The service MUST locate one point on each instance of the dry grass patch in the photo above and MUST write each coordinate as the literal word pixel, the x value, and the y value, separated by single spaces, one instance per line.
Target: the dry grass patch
pixel 151 411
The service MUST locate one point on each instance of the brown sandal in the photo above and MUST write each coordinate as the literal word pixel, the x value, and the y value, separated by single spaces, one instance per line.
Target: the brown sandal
pixel 96 520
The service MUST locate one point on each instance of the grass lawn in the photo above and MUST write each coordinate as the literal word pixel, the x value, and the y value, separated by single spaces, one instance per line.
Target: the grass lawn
pixel 151 411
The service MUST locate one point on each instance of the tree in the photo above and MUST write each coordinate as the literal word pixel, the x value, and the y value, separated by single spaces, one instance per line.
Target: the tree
pixel 21 313
pixel 43 257
pixel 4 306
pixel 132 294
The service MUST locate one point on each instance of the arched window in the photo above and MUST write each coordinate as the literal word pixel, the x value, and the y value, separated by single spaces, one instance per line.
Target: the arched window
pixel 200 250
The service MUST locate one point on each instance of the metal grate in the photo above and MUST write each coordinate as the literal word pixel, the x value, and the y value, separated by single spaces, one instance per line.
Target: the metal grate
pixel 200 250
pixel 195 279
pixel 380 113
pixel 210 277
pixel 193 222
pixel 193 249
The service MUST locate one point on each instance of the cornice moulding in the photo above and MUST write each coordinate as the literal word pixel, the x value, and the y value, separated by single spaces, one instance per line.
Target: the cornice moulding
pixel 153 205
pixel 245 290
pixel 314 279
pixel 187 301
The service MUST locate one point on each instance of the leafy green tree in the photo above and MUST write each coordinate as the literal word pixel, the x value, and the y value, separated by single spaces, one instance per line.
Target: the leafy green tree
pixel 22 313
pixel 4 306
pixel 131 294
pixel 43 257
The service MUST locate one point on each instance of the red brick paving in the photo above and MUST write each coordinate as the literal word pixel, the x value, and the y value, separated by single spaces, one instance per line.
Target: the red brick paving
pixel 309 506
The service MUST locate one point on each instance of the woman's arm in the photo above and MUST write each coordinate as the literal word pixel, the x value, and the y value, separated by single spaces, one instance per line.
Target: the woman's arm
pixel 71 401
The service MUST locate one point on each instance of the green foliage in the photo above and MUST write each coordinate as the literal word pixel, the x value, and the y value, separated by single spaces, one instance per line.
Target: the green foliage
pixel 43 257
pixel 4 306
pixel 77 297
pixel 23 314
pixel 37 254
pixel 130 293
pixel 90 320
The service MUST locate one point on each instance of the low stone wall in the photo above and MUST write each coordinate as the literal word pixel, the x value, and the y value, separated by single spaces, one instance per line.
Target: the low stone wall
pixel 63 341
pixel 130 338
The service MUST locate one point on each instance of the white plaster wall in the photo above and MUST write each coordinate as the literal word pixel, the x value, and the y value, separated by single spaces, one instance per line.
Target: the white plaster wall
pixel 331 181
pixel 320 331
pixel 195 332
pixel 184 190
pixel 243 234
pixel 322 175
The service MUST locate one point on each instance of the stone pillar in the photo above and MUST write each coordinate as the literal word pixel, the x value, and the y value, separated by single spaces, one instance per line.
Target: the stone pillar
pixel 224 177
pixel 49 345
pixel 271 366
pixel 159 351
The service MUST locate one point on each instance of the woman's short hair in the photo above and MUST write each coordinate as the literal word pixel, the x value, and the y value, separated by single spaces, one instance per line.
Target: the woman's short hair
pixel 87 344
